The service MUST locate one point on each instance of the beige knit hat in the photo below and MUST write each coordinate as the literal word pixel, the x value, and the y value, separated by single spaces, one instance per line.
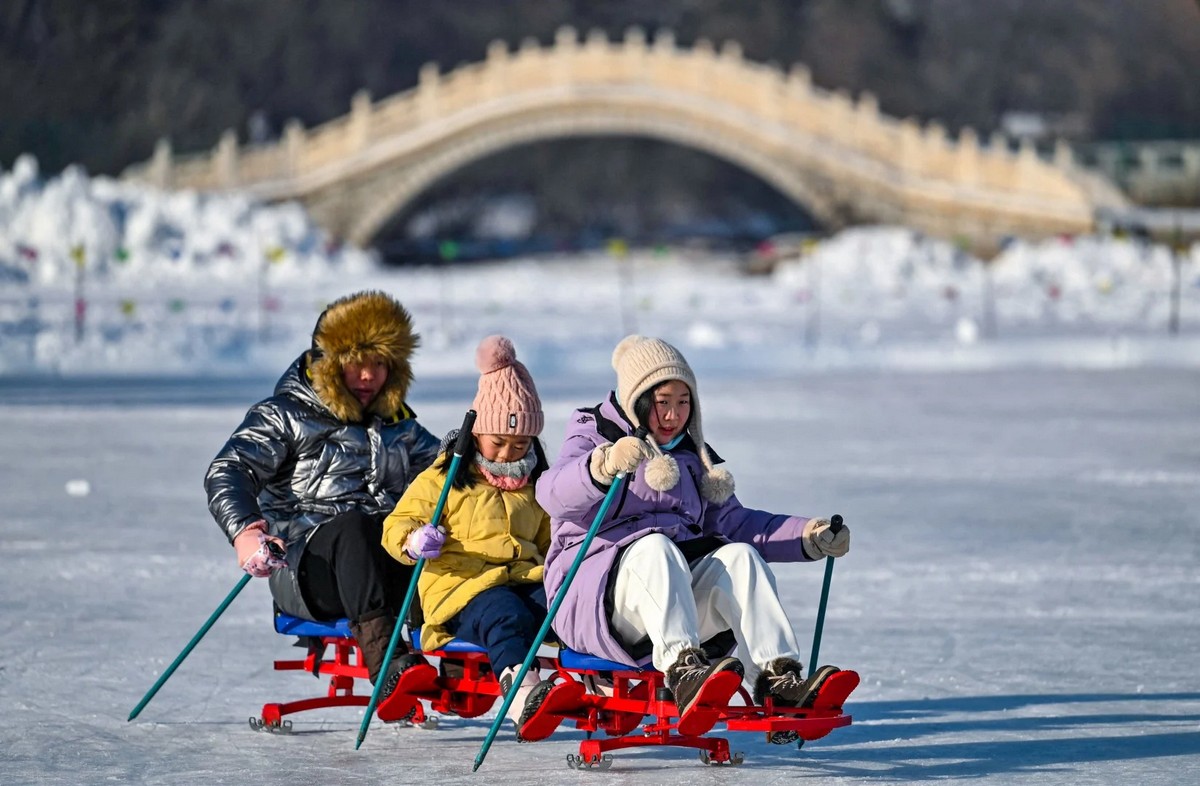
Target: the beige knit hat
pixel 507 401
pixel 642 364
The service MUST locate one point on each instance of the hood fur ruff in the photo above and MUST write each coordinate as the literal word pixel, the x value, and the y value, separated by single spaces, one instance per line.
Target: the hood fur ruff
pixel 351 329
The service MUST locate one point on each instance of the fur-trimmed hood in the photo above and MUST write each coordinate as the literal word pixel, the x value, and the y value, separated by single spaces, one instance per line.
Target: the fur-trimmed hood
pixel 351 329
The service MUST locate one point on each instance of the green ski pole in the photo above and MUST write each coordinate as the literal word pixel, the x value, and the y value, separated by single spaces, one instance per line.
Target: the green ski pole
pixel 558 598
pixel 192 644
pixel 460 447
pixel 835 524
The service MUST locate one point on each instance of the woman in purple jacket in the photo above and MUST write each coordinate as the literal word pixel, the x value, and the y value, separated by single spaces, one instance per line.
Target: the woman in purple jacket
pixel 677 573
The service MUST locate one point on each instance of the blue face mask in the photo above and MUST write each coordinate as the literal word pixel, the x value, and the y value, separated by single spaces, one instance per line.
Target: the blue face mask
pixel 670 445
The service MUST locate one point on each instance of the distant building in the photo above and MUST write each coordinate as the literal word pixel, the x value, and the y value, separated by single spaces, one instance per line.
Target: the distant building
pixel 1045 126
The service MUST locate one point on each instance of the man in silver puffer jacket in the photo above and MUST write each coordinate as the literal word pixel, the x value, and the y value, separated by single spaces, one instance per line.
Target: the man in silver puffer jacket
pixel 315 468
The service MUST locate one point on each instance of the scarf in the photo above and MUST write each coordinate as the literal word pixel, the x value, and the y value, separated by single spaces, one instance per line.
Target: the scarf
pixel 507 475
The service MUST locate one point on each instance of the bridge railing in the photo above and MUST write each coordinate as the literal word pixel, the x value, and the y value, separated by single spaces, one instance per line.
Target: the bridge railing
pixel 702 72
pixel 713 88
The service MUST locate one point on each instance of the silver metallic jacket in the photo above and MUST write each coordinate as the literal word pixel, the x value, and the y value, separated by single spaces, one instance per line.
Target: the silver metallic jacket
pixel 294 464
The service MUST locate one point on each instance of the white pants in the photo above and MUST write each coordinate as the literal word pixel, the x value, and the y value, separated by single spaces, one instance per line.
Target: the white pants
pixel 658 596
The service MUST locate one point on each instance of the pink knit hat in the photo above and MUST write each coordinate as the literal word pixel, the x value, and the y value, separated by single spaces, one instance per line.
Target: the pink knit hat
pixel 507 401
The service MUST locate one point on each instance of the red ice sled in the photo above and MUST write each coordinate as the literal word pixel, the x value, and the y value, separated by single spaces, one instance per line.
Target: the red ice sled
pixel 634 709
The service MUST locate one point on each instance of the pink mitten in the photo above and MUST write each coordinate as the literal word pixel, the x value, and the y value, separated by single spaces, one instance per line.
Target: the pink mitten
pixel 425 542
pixel 258 553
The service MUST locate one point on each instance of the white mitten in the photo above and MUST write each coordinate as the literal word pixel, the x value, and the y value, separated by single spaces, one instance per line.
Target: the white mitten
pixel 620 457
pixel 820 539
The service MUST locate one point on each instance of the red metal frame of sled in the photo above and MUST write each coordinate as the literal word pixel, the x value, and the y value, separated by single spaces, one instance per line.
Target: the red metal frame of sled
pixel 661 731
pixel 611 714
pixel 342 671
pixel 468 688
pixel 470 694
pixel 345 667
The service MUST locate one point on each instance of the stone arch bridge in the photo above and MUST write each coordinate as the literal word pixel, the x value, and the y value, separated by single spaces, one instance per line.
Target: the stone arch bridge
pixel 838 157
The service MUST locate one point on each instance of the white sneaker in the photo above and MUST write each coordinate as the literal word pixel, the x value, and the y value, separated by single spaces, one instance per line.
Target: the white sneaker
pixel 523 690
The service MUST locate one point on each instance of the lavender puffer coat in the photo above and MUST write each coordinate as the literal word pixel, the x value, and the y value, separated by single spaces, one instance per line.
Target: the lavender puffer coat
pixel 566 491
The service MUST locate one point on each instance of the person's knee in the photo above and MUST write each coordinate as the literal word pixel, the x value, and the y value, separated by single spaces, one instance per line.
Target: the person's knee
pixel 527 623
pixel 657 546
pixel 357 531
pixel 743 560
pixel 502 620
pixel 738 552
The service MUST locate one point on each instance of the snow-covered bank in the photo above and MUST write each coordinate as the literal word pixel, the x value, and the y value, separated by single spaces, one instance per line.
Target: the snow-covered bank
pixel 103 277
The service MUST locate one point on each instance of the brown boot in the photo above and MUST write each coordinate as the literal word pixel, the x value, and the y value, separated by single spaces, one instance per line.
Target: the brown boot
pixel 701 687
pixel 373 636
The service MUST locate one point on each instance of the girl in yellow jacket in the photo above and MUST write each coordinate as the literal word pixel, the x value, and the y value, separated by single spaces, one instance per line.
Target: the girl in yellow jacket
pixel 482 580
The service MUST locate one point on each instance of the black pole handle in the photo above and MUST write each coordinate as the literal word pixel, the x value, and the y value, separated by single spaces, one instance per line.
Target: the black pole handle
pixel 460 445
pixel 835 523
pixel 464 433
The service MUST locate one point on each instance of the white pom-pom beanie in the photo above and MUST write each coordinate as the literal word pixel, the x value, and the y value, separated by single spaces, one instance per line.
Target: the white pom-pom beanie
pixel 507 401
pixel 642 364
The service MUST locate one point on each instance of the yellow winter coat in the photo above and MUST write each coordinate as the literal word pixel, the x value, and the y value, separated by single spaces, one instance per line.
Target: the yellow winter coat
pixel 493 538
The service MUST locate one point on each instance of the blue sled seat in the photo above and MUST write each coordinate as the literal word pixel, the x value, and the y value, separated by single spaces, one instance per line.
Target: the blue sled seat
pixel 296 626
pixel 456 645
pixel 578 661
pixel 340 629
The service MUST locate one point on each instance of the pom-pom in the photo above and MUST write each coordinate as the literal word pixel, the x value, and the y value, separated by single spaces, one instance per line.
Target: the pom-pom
pixel 662 473
pixel 624 346
pixel 494 353
pixel 717 485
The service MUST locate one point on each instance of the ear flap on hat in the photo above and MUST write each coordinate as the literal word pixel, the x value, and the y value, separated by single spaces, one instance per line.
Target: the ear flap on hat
pixel 716 485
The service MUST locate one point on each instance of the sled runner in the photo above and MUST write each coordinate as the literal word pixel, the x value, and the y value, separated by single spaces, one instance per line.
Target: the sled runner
pixel 632 707
pixel 342 669
pixel 640 694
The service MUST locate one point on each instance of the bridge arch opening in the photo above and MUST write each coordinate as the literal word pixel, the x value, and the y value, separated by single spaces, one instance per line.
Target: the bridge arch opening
pixel 526 199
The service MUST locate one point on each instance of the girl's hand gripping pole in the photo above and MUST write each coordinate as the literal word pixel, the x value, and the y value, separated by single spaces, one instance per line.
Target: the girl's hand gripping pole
pixel 460 447
pixel 835 524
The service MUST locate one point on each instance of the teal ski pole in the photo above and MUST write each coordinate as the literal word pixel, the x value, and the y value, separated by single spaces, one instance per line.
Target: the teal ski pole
pixel 835 524
pixel 460 447
pixel 558 598
pixel 191 645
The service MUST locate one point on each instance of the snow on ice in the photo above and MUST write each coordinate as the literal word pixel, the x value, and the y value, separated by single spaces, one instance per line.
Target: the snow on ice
pixel 1020 472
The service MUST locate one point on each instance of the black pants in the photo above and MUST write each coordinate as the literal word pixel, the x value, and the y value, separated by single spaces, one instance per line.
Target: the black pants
pixel 345 571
